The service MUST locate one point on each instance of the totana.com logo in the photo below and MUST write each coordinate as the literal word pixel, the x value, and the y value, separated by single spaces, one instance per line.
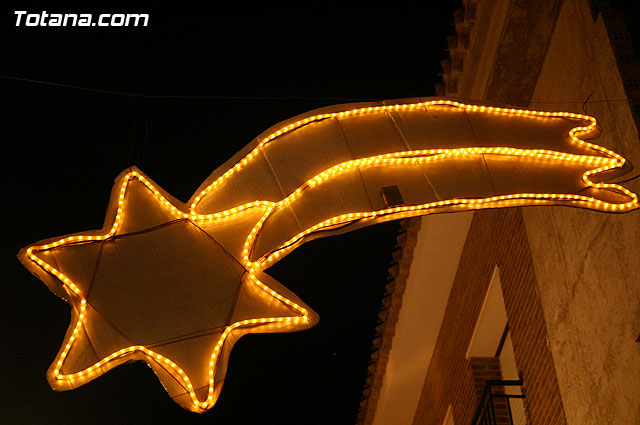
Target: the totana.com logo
pixel 44 19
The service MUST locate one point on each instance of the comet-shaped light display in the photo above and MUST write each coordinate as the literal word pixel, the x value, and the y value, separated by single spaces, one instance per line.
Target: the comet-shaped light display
pixel 176 285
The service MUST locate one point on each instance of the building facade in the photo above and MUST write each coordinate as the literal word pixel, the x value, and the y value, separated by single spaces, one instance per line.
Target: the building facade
pixel 541 304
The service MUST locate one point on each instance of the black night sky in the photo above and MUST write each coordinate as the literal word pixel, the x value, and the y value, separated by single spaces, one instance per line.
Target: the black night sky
pixel 233 76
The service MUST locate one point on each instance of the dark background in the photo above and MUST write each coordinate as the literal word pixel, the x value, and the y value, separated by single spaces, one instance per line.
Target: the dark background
pixel 62 148
pixel 233 74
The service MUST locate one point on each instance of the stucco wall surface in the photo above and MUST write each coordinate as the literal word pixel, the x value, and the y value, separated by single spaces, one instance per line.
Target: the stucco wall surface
pixel 587 264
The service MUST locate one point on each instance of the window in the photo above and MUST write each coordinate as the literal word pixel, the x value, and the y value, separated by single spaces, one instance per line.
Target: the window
pixel 491 353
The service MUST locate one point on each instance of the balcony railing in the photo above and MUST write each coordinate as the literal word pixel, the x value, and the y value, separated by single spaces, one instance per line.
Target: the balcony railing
pixel 501 403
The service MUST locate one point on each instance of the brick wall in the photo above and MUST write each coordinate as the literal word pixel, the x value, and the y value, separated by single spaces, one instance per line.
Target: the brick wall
pixel 496 237
pixel 484 369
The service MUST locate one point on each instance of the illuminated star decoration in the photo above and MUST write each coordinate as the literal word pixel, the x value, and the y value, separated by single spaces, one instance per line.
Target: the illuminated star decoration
pixel 176 285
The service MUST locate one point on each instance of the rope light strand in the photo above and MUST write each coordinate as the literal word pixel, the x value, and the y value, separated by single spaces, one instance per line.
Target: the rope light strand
pixel 609 160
